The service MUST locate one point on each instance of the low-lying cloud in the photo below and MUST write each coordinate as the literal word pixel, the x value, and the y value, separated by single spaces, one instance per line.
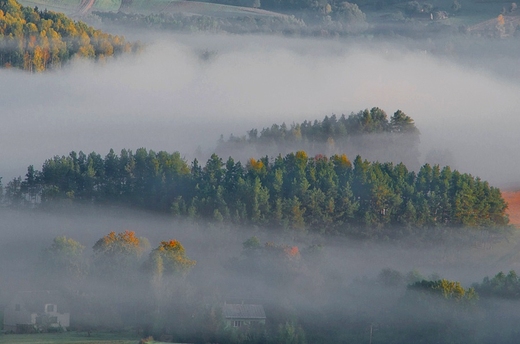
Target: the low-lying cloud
pixel 169 98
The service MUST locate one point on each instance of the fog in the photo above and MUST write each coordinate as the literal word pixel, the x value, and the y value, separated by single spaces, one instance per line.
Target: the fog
pixel 343 282
pixel 170 98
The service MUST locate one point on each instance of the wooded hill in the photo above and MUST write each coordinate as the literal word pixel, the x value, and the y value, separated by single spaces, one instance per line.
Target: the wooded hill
pixel 319 194
pixel 38 40
pixel 369 133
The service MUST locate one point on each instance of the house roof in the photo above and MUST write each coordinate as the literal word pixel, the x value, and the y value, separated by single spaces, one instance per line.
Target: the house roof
pixel 241 311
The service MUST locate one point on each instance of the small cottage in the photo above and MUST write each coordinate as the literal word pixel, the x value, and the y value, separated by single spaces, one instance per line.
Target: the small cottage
pixel 37 311
pixel 243 315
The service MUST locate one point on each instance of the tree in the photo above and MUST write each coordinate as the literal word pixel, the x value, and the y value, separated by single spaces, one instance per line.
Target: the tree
pixel 456 6
pixel 291 333
pixel 64 258
pixel 169 259
pixel 168 266
pixel 402 123
pixel 117 255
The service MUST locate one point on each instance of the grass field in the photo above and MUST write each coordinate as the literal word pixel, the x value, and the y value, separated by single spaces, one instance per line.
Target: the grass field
pixel 106 5
pixel 194 7
pixel 64 6
pixel 69 338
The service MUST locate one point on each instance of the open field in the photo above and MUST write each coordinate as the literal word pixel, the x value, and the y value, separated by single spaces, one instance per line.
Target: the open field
pixel 150 7
pixel 70 338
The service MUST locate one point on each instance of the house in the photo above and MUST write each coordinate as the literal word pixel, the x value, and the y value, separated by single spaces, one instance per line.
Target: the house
pixel 36 311
pixel 243 315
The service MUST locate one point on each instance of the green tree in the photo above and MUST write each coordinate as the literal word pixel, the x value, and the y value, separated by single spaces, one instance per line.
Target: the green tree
pixel 291 333
pixel 65 257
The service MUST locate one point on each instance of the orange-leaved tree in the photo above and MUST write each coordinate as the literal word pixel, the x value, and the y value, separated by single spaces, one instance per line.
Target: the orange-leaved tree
pixel 168 266
pixel 116 254
pixel 169 258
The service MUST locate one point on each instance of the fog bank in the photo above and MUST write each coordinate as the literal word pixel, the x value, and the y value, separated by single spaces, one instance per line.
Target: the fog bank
pixel 169 98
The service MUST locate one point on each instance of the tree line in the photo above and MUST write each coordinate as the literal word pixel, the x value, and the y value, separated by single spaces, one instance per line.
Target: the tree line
pixel 115 256
pixel 369 133
pixel 318 194
pixel 35 40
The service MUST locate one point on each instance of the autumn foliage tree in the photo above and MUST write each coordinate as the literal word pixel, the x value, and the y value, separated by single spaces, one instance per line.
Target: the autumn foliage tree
pixel 38 40
pixel 168 265
pixel 169 259
pixel 115 255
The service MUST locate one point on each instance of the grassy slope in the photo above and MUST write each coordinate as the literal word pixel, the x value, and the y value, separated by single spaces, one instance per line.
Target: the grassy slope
pixel 194 7
pixel 63 6
pixel 153 6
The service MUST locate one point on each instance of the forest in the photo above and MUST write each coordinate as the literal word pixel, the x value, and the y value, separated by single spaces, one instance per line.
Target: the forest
pixel 317 194
pixel 35 40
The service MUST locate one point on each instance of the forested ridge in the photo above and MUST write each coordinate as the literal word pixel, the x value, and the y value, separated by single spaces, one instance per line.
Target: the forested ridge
pixel 318 194
pixel 36 40
pixel 369 133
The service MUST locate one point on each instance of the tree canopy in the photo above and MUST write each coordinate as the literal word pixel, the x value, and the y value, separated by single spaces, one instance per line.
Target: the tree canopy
pixel 369 133
pixel 319 194
pixel 36 40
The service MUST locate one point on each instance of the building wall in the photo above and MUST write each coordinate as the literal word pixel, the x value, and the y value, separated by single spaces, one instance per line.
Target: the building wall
pixel 16 314
pixel 244 322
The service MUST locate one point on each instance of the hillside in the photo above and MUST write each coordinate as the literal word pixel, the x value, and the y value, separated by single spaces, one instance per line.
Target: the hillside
pixel 146 7
pixel 502 26
pixel 513 200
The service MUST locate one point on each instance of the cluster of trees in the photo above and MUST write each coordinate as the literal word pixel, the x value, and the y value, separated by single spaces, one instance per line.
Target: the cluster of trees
pixel 36 40
pixel 501 286
pixel 319 194
pixel 449 290
pixel 122 282
pixel 369 133
pixel 115 257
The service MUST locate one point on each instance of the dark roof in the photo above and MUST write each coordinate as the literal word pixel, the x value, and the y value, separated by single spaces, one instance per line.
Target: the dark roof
pixel 241 311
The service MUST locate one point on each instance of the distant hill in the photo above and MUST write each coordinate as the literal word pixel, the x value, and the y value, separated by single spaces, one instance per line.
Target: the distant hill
pixel 79 7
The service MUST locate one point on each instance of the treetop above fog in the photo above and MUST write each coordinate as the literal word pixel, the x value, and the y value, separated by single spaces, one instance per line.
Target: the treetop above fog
pixel 370 133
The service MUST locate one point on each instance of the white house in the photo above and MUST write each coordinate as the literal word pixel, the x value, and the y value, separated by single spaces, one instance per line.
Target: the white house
pixel 31 311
